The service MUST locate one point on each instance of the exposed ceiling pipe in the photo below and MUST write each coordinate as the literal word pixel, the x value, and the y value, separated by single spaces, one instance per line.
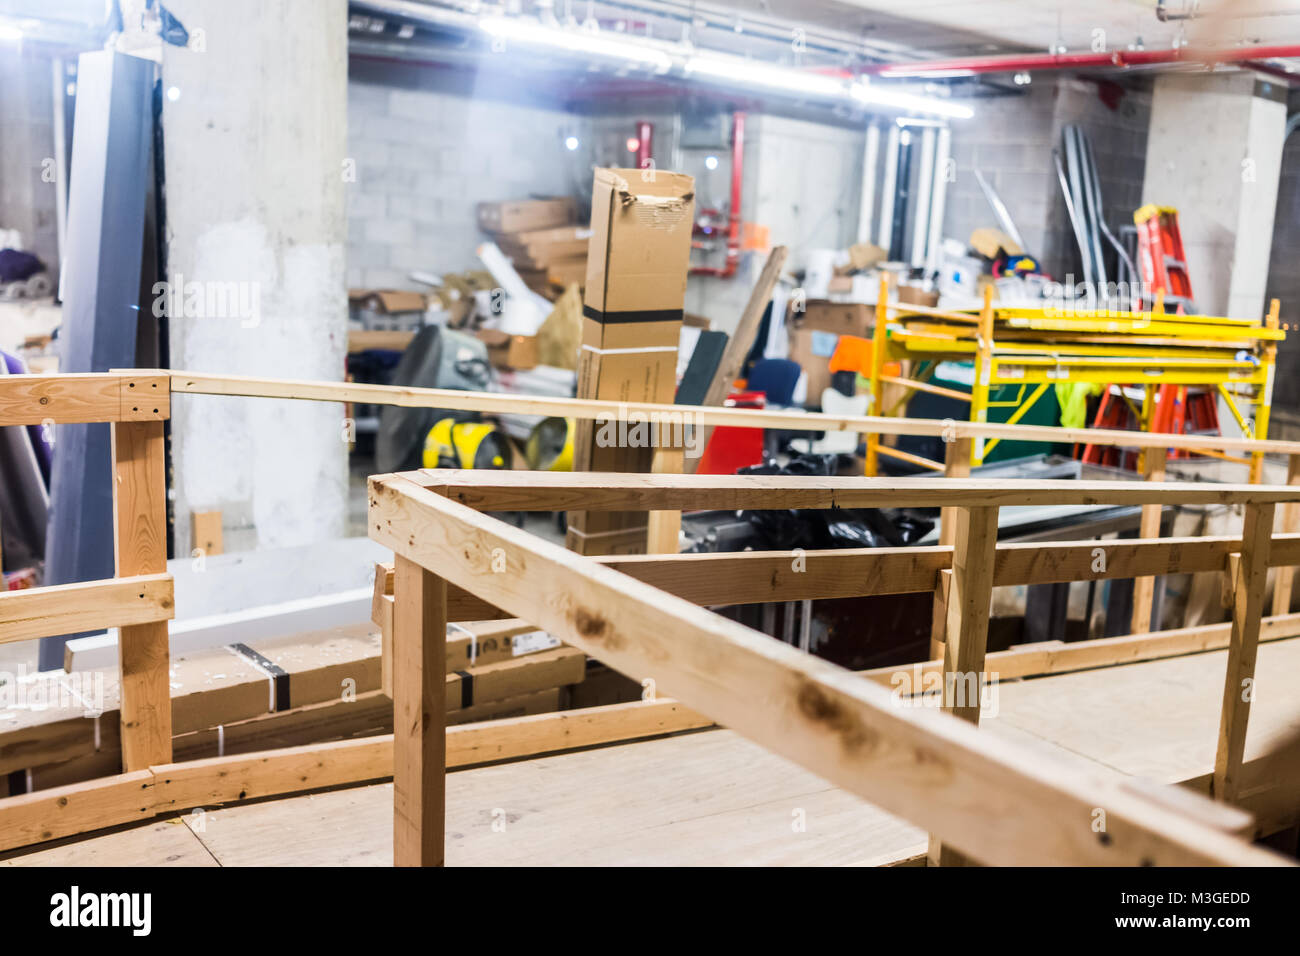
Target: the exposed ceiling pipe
pixel 1116 59
pixel 1233 9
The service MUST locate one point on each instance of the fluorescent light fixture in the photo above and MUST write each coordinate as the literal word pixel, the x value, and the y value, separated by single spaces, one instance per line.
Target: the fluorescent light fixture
pixel 755 73
pixel 9 33
pixel 896 99
pixel 533 33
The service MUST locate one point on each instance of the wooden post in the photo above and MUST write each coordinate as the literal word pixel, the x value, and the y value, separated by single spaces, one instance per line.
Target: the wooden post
pixel 1264 409
pixel 879 340
pixel 140 547
pixel 1290 524
pixel 1247 608
pixel 663 535
pixel 1144 588
pixel 419 714
pixel 956 464
pixel 970 597
pixel 979 393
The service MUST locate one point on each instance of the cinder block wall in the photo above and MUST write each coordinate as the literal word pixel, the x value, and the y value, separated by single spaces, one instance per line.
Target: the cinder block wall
pixel 428 145
pixel 1010 140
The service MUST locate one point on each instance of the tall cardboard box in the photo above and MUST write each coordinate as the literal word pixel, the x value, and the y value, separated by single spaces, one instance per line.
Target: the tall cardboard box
pixel 641 222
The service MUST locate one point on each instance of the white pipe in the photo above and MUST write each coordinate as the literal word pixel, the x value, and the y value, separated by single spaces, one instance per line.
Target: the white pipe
pixel 938 200
pixel 888 188
pixel 870 154
pixel 924 179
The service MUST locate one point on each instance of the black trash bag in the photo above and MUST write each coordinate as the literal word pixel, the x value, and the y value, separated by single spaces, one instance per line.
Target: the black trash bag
pixel 836 528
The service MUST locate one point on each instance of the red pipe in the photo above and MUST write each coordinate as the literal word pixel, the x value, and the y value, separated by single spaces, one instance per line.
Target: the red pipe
pixel 644 142
pixel 733 214
pixel 1030 62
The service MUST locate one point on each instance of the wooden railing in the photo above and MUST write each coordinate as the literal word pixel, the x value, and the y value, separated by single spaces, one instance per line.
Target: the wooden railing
pixel 139 600
pixel 980 797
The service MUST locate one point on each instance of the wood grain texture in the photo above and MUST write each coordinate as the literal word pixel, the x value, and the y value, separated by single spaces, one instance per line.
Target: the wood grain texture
pixel 419 714
pixel 1238 688
pixel 61 399
pixel 980 794
pixel 1285 579
pixel 596 491
pixel 739 344
pixel 498 403
pixel 1144 588
pixel 140 544
pixel 68 608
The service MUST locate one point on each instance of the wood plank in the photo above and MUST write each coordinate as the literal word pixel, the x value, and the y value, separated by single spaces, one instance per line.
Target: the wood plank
pixel 64 811
pixel 145 395
pixel 1144 588
pixel 1238 687
pixel 205 532
pixel 62 399
pixel 1285 579
pixel 1054 657
pixel 68 608
pixel 740 343
pixel 594 491
pixel 976 792
pixel 501 403
pixel 968 602
pixel 140 546
pixel 664 528
pixel 756 577
pixel 419 714
pixel 221 780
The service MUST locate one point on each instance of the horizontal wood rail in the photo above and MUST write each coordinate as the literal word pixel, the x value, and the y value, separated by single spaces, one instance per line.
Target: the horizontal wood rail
pixel 67 608
pixel 592 491
pixel 202 383
pixel 768 577
pixel 127 396
pixel 983 796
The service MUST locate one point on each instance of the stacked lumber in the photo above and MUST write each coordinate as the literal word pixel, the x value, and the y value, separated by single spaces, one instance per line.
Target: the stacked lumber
pixel 282 692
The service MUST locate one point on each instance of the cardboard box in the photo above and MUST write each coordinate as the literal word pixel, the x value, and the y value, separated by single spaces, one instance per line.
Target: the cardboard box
pixel 568 271
pixel 640 250
pixel 509 351
pixel 842 318
pixel 523 215
pixel 635 290
pixel 539 248
pixel 388 301
pixel 812 349
pixel 915 295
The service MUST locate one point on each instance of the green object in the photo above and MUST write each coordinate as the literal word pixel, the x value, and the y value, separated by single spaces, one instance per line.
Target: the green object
pixel 1073 400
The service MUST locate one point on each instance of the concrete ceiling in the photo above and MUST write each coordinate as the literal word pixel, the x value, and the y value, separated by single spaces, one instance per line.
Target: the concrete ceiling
pixel 1043 24
pixel 973 27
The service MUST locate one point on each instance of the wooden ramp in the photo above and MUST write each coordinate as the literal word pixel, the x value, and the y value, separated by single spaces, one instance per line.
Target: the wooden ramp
pixel 712 797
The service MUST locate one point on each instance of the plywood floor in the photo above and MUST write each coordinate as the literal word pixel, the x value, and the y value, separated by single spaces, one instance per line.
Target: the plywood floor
pixel 714 798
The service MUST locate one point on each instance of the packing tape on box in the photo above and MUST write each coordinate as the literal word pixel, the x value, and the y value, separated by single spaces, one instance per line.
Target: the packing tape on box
pixel 466 689
pixel 277 677
pixel 641 315
pixel 651 348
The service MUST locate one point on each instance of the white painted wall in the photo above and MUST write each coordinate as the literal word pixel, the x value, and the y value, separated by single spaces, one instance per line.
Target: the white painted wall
pixel 1215 154
pixel 254 146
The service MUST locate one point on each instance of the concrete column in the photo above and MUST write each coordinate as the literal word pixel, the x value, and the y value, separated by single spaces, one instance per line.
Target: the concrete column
pixel 255 129
pixel 1215 154
pixel 27 189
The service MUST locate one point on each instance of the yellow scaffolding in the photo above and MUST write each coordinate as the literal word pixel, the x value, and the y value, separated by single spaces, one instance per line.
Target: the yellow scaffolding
pixel 1035 348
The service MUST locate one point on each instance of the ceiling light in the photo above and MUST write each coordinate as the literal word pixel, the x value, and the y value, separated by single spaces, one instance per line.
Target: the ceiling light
pixel 710 162
pixel 895 99
pixel 577 41
pixel 10 33
pixel 571 143
pixel 755 73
